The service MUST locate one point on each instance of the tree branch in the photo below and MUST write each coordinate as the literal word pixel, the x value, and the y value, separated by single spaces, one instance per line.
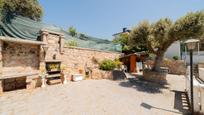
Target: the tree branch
pixel 151 49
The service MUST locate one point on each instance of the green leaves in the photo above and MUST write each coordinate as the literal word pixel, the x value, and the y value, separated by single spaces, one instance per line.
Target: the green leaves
pixel 189 26
pixel 1 8
pixel 122 39
pixel 160 31
pixel 160 35
pixel 72 31
pixel 107 65
pixel 139 35
pixel 72 43
pixel 26 8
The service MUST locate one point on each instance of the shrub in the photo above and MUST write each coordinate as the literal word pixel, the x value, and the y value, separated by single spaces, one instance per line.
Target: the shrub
pixel 72 31
pixel 117 63
pixel 72 43
pixel 107 65
pixel 175 57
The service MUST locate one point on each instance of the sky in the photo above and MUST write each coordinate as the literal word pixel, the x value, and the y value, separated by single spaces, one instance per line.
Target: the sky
pixel 103 18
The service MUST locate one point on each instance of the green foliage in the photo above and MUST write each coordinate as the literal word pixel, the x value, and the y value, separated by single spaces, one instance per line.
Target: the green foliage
pixel 71 43
pixel 175 57
pixel 159 36
pixel 122 39
pixel 72 31
pixel 26 8
pixel 188 26
pixel 117 63
pixel 1 8
pixel 107 65
pixel 139 36
pixel 82 36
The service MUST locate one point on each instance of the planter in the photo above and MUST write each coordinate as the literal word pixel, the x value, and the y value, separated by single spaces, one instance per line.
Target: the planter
pixel 77 77
pixel 152 76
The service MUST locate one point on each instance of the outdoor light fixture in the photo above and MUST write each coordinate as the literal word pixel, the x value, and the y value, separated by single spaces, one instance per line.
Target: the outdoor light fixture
pixel 191 44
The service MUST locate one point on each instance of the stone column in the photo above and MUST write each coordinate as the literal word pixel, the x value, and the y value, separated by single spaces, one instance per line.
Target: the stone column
pixel 44 35
pixel 31 82
pixel 61 44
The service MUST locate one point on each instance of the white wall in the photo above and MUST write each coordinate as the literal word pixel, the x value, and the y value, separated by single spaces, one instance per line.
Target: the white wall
pixel 197 57
pixel 173 50
pixel 198 91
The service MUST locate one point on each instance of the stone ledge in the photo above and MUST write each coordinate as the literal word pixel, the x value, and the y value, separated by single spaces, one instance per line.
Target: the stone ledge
pixel 19 40
pixel 7 76
pixel 80 48
pixel 52 32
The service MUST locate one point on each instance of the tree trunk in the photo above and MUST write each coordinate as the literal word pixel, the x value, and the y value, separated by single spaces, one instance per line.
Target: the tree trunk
pixel 157 63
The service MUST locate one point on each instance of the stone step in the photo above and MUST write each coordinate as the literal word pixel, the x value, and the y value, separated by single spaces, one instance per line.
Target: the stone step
pixel 54 81
pixel 54 75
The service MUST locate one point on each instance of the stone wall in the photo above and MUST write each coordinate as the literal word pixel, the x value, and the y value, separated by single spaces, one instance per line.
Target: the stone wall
pixel 53 43
pixel 76 58
pixel 19 58
pixel 174 66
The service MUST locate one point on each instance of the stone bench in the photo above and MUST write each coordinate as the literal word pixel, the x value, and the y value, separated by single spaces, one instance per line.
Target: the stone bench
pixel 31 79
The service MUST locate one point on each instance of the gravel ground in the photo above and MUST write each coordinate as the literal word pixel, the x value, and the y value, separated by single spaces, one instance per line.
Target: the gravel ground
pixel 97 97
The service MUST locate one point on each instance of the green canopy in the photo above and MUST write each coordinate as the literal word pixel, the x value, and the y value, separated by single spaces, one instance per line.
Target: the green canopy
pixel 25 28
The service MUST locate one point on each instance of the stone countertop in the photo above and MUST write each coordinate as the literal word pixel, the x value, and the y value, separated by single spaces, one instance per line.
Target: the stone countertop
pixel 14 75
pixel 53 61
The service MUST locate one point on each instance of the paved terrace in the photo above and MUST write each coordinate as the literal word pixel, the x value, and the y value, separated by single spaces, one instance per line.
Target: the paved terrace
pixel 98 97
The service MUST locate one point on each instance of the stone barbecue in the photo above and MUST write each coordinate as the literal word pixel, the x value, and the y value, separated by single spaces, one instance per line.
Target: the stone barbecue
pixel 53 66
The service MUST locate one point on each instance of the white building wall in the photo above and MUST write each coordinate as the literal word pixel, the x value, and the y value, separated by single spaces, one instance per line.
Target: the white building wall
pixel 173 50
pixel 198 90
pixel 197 58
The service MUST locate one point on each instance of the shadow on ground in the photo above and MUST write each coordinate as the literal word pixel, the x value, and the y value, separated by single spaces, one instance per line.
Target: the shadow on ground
pixel 118 75
pixel 181 103
pixel 148 106
pixel 142 85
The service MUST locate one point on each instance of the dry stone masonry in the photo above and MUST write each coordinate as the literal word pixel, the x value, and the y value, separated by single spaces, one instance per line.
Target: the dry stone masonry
pixel 21 60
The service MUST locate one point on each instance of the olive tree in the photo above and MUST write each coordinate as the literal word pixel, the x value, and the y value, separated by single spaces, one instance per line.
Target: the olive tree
pixel 159 36
pixel 26 8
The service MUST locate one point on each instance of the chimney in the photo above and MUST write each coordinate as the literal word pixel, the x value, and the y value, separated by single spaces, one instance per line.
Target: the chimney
pixel 124 29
